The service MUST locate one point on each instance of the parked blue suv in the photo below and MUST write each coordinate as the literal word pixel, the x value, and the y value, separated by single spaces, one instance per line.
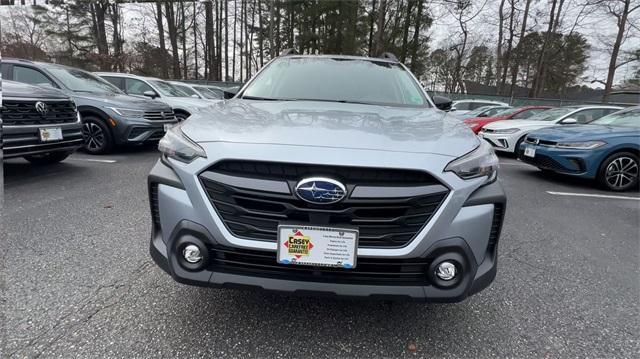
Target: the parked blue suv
pixel 606 149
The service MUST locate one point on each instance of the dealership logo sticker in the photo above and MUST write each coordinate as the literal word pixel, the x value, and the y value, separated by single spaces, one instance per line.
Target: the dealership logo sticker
pixel 298 244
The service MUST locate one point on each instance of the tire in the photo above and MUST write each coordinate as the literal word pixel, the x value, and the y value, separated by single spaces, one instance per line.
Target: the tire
pixel 98 139
pixel 619 172
pixel 516 150
pixel 47 158
pixel 181 116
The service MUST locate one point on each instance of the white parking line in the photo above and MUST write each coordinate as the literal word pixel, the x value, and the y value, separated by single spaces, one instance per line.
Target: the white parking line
pixel 91 160
pixel 592 195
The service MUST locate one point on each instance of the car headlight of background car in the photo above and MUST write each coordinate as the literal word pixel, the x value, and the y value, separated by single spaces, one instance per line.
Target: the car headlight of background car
pixel 581 145
pixel 480 162
pixel 127 112
pixel 175 144
pixel 507 131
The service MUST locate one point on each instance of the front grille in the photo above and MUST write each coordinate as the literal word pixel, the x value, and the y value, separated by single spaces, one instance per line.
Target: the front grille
pixel 159 115
pixel 367 271
pixel 23 112
pixel 539 142
pixel 382 222
pixel 545 162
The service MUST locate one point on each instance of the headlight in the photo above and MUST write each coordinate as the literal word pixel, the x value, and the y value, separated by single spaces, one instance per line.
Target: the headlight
pixel 175 144
pixel 584 145
pixel 507 130
pixel 480 162
pixel 127 112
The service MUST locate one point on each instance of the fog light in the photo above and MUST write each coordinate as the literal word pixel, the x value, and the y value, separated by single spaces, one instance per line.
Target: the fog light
pixel 191 254
pixel 446 271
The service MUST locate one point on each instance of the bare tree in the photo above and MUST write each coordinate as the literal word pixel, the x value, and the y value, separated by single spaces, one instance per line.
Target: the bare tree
pixel 379 40
pixel 516 65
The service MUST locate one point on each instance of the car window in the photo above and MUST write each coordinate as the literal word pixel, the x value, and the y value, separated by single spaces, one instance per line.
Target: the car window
pixel 30 76
pixel 116 81
pixel 337 80
pixel 137 87
pixel 589 115
pixel 81 81
pixel 462 106
pixel 186 89
pixel 494 111
pixel 626 118
pixel 552 115
pixel 167 89
pixel 528 113
pixel 475 105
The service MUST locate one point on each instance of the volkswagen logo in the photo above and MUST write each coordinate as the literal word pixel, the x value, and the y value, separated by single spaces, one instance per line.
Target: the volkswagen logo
pixel 41 107
pixel 320 190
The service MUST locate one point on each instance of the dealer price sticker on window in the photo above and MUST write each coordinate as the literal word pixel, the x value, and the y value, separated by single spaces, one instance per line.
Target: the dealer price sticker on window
pixel 317 246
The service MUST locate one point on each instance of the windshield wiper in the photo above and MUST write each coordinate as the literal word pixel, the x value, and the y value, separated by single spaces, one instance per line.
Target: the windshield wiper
pixel 326 100
pixel 263 98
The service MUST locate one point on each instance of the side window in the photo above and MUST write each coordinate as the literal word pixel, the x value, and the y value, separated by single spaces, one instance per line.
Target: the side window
pixel 30 76
pixel 116 81
pixel 475 105
pixel 463 106
pixel 586 116
pixel 527 113
pixel 137 87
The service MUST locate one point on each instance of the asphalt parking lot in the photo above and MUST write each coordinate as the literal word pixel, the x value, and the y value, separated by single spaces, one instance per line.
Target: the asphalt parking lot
pixel 79 281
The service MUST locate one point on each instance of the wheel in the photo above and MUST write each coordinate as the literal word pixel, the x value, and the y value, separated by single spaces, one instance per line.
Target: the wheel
pixel 47 158
pixel 516 150
pixel 97 136
pixel 619 172
pixel 181 116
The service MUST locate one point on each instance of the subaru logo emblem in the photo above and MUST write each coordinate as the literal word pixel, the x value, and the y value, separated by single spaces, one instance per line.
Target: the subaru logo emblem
pixel 41 107
pixel 320 190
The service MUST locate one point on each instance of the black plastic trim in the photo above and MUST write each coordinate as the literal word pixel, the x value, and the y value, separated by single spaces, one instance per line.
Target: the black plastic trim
pixel 488 194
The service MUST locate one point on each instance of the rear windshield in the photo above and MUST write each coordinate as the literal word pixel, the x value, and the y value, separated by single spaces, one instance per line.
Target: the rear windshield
pixel 337 80
pixel 625 118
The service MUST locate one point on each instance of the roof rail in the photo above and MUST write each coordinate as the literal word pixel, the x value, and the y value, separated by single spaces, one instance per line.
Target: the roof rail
pixel 287 52
pixel 389 55
pixel 17 59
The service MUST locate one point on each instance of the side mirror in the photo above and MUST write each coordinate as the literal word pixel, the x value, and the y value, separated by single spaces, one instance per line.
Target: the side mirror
pixel 569 121
pixel 150 93
pixel 230 93
pixel 442 103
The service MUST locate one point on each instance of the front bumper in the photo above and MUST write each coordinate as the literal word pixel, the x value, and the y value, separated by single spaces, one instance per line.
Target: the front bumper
pixel 138 131
pixel 500 141
pixel 580 163
pixel 468 228
pixel 18 141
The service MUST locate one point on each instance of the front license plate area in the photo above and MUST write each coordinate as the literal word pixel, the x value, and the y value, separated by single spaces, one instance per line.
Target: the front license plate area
pixel 50 134
pixel 530 151
pixel 317 246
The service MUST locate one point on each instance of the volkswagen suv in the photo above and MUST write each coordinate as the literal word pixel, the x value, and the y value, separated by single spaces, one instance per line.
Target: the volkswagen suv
pixel 328 175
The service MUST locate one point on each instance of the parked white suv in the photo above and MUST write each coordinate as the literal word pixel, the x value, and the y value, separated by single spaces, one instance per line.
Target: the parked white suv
pixel 182 103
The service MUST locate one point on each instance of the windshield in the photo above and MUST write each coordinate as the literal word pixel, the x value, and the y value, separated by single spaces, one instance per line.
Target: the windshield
pixel 625 118
pixel 336 80
pixel 185 89
pixel 167 89
pixel 552 115
pixel 207 93
pixel 82 81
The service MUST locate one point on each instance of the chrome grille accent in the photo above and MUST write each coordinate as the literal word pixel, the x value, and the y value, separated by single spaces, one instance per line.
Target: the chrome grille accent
pixel 159 115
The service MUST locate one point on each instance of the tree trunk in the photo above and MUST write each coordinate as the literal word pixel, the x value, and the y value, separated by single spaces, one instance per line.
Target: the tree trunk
pixel 271 28
pixel 226 40
pixel 208 31
pixel 195 40
pixel 173 38
pixel 163 48
pixel 261 38
pixel 372 20
pixel 538 80
pixel 499 47
pixel 117 37
pixel 622 23
pixel 242 22
pixel 405 34
pixel 507 57
pixel 184 42
pixel 233 52
pixel 415 42
pixel 519 55
pixel 379 41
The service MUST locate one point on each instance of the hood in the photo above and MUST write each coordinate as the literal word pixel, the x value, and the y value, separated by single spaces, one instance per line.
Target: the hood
pixel 117 100
pixel 189 101
pixel 583 132
pixel 338 125
pixel 484 119
pixel 500 125
pixel 18 89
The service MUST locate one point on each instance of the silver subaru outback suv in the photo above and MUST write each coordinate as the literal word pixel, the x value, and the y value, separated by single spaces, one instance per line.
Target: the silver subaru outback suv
pixel 328 175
